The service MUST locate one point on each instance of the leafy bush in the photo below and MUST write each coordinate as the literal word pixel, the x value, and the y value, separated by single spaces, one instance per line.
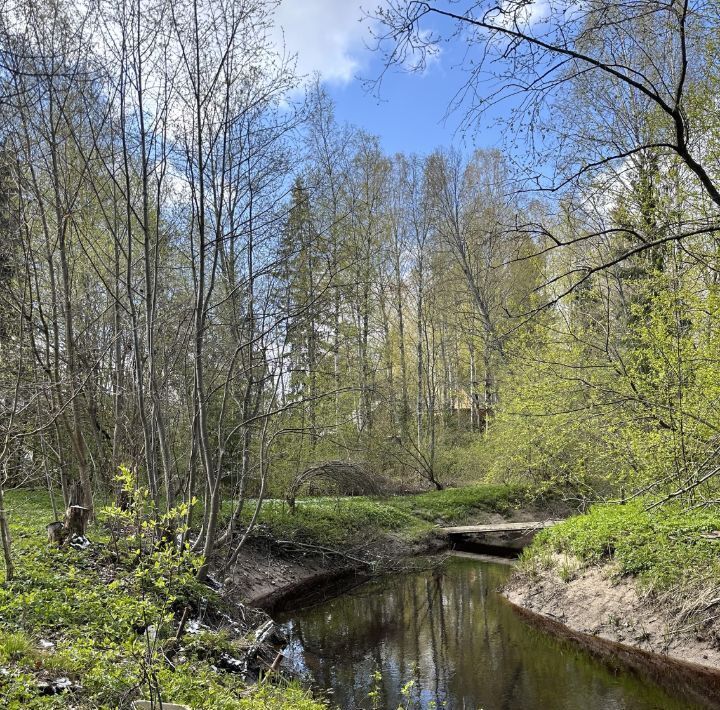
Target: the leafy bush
pixel 95 609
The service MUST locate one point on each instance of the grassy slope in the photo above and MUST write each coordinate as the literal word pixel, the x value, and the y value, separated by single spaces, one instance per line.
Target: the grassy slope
pixel 351 522
pixel 664 548
pixel 88 607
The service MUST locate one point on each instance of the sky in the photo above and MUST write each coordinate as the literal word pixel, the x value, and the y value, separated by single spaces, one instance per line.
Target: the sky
pixel 409 110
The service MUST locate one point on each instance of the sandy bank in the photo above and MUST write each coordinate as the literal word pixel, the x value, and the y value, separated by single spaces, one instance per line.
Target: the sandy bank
pixel 613 620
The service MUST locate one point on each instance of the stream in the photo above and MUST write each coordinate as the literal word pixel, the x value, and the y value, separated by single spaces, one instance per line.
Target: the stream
pixel 451 641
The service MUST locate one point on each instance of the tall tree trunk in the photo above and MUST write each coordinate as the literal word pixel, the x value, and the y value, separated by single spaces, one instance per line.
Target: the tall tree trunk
pixel 4 526
pixel 138 359
pixel 62 223
pixel 399 305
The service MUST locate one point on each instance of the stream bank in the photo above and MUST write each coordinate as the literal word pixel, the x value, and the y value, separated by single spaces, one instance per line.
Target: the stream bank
pixel 327 545
pixel 636 581
pixel 609 617
pixel 591 606
pixel 275 580
pixel 445 637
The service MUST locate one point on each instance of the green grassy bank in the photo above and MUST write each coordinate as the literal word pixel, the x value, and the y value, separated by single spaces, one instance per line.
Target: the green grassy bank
pixel 348 522
pixel 92 608
pixel 664 548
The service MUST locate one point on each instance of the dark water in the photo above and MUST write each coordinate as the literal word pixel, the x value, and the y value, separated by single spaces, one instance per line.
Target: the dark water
pixel 464 649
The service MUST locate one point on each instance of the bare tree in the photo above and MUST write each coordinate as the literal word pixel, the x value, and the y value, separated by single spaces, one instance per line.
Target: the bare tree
pixel 555 60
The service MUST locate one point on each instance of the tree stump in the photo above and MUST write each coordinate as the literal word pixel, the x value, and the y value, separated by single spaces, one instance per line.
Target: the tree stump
pixel 76 518
pixel 76 515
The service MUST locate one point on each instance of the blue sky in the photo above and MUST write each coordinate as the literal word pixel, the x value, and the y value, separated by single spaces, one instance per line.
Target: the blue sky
pixel 409 111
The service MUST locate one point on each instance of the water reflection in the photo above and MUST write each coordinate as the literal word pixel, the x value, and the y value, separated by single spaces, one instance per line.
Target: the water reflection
pixel 464 648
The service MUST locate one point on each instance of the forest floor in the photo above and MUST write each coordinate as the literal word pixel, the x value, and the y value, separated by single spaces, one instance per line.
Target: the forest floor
pixel 99 626
pixel 644 579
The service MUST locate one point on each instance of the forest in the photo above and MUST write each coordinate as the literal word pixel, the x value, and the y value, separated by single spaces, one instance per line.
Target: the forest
pixel 219 304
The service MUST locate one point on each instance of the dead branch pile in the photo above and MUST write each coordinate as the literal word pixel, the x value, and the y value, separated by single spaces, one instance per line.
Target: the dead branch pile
pixel 350 479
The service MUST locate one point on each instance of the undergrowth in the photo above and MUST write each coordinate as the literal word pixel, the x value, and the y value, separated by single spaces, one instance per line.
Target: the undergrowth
pixel 664 547
pixel 86 615
pixel 105 624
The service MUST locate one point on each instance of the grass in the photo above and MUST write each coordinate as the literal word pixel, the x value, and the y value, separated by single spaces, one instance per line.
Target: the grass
pixel 91 611
pixel 337 523
pixel 349 522
pixel 457 505
pixel 663 548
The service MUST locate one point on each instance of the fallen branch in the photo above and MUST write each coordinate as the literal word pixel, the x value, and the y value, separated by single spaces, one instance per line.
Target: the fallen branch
pixel 326 550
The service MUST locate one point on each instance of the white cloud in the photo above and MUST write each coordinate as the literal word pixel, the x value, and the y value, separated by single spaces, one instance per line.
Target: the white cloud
pixel 327 36
pixel 521 13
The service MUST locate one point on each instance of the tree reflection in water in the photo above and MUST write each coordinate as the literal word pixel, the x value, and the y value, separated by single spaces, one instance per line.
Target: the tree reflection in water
pixel 462 645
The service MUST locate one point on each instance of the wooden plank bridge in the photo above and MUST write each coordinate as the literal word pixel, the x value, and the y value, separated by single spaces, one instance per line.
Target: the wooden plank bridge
pixel 504 539
pixel 522 528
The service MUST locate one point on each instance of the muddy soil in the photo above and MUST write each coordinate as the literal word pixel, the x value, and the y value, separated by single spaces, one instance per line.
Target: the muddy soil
pixel 261 571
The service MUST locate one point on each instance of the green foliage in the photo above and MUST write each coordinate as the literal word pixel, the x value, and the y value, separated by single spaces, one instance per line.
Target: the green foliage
pixel 14 646
pixel 95 609
pixel 663 547
pixel 615 395
pixel 342 522
pixel 284 697
pixel 375 693
pixel 210 645
pixel 409 693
